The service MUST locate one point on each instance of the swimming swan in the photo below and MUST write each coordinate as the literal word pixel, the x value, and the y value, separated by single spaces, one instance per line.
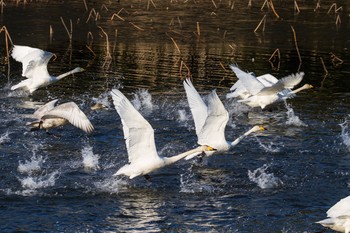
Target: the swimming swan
pixel 34 68
pixel 48 116
pixel 139 139
pixel 210 121
pixel 264 90
pixel 338 216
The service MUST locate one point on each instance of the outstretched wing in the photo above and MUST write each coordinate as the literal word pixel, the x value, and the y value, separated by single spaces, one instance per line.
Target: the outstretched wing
pixel 197 105
pixel 342 207
pixel 34 61
pixel 287 82
pixel 71 112
pixel 44 109
pixel 253 85
pixel 138 133
pixel 213 131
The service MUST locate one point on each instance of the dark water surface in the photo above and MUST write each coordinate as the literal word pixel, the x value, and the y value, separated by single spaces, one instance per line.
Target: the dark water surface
pixel 281 180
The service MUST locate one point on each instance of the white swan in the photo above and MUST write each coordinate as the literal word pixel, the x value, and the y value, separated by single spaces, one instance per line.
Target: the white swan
pixel 34 68
pixel 139 139
pixel 210 121
pixel 264 90
pixel 48 116
pixel 338 216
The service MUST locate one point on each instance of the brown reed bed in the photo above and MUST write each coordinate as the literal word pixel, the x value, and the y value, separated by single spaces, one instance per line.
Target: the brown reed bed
pixel 7 41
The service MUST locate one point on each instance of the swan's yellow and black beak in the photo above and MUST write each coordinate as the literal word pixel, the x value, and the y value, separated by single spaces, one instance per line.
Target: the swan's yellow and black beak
pixel 261 128
pixel 209 148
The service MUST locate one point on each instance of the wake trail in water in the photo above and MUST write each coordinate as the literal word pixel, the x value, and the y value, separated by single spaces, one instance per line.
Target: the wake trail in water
pixel 263 179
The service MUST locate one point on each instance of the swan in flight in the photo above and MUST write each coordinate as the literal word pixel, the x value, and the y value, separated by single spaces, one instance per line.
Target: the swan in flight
pixel 48 116
pixel 210 121
pixel 338 216
pixel 264 90
pixel 140 144
pixel 34 68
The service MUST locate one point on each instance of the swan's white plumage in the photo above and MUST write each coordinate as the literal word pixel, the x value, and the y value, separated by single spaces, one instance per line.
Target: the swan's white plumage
pixel 263 90
pixel 48 116
pixel 215 117
pixel 139 139
pixel 34 68
pixel 338 216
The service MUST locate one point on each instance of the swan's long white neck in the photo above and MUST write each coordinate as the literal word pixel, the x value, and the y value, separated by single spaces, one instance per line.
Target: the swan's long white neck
pixel 66 74
pixel 240 138
pixel 173 159
pixel 304 87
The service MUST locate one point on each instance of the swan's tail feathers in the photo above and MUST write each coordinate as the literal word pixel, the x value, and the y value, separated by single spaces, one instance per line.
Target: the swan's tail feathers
pixel 191 156
pixel 328 222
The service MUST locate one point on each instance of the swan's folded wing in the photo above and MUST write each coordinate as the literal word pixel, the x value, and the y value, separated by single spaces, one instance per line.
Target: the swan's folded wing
pixel 214 127
pixel 253 85
pixel 71 112
pixel 197 105
pixel 286 82
pixel 44 109
pixel 138 133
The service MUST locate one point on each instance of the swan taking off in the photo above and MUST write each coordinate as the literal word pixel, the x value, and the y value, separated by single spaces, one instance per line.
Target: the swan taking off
pixel 210 121
pixel 264 90
pixel 139 139
pixel 34 68
pixel 338 216
pixel 48 116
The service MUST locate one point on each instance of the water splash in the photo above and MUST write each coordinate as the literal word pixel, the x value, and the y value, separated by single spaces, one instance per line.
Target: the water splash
pixel 110 185
pixel 31 166
pixel 90 160
pixel 4 137
pixel 102 99
pixel 345 134
pixel 271 147
pixel 143 101
pixel 292 119
pixel 263 179
pixel 182 115
pixel 189 184
pixel 32 184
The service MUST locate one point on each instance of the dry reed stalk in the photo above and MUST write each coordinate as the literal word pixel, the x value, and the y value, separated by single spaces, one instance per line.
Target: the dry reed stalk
pixel 89 48
pixel 273 9
pixel 266 3
pixel 296 7
pixel 198 30
pixel 148 4
pixel 115 39
pixel 178 20
pixel 337 21
pixel 213 13
pixel 261 21
pixel 2 3
pixel 172 39
pixel 188 69
pixel 104 7
pixel 136 26
pixel 318 6
pixel 51 33
pixel 232 5
pixel 331 7
pixel 216 7
pixel 90 38
pixel 338 9
pixel 70 33
pixel 93 14
pixel 323 65
pixel 296 44
pixel 108 54
pixel 336 60
pixel 224 35
pixel 7 39
pixel 250 3
pixel 116 15
pixel 223 67
pixel 272 59
pixel 86 7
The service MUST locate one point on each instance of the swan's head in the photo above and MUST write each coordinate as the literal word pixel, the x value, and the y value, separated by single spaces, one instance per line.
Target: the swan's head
pixel 208 148
pixel 308 86
pixel 257 128
pixel 78 69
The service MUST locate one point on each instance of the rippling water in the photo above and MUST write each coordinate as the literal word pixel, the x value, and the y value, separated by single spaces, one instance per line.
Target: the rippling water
pixel 281 180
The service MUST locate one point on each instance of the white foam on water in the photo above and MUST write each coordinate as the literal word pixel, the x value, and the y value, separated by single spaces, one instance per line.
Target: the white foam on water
pixel 182 115
pixel 5 137
pixel 345 134
pixel 271 147
pixel 143 101
pixel 31 184
pixel 292 119
pixel 103 99
pixel 31 166
pixel 189 184
pixel 111 185
pixel 90 160
pixel 263 179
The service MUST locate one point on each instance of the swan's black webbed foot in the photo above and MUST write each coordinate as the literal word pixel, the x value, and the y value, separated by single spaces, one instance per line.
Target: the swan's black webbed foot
pixel 147 177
